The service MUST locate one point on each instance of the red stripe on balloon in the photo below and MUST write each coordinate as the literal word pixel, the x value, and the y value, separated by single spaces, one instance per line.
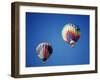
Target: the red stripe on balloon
pixel 73 34
pixel 45 52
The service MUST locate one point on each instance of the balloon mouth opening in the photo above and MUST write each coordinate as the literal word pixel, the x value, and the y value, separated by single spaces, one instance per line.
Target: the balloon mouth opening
pixel 44 60
pixel 72 43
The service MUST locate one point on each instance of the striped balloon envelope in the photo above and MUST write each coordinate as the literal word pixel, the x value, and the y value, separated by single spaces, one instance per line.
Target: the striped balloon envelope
pixel 71 34
pixel 44 50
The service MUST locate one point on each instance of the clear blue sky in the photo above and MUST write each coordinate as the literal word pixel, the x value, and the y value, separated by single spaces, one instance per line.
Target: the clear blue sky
pixel 43 27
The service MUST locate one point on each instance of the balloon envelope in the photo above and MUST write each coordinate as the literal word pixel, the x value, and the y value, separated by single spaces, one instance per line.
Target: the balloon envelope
pixel 71 34
pixel 44 50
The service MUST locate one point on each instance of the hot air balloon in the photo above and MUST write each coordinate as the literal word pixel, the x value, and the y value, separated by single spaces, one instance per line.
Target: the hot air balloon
pixel 71 34
pixel 44 50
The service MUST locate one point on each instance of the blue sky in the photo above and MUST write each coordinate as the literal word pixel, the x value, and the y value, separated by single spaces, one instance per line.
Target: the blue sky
pixel 46 27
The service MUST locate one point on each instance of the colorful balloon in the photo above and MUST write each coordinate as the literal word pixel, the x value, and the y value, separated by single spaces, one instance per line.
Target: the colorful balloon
pixel 71 34
pixel 44 50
